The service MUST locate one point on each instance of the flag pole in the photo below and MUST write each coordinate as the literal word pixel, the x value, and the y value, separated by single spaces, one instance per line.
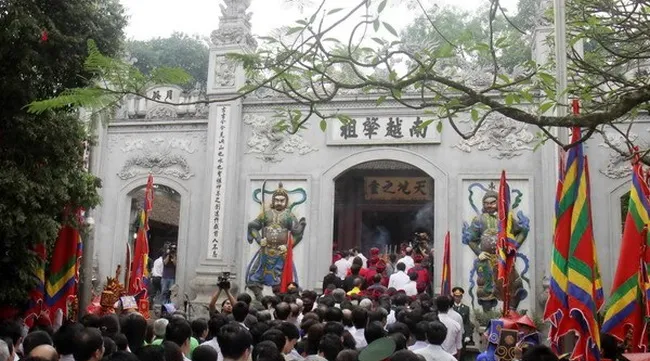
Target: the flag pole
pixel 560 58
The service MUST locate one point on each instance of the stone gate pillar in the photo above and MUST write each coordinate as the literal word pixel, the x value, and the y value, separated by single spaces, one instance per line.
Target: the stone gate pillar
pixel 225 77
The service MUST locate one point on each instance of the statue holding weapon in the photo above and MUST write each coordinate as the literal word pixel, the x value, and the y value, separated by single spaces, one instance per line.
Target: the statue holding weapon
pixel 271 230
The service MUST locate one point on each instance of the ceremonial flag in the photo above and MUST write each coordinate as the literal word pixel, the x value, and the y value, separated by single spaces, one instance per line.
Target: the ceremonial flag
pixel 445 287
pixel 287 269
pixel 626 307
pixel 557 306
pixel 37 294
pixel 63 273
pixel 139 273
pixel 599 296
pixel 506 243
pixel 582 272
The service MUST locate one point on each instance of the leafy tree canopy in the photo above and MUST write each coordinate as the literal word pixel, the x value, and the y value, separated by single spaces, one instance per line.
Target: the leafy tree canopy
pixel 180 50
pixel 43 49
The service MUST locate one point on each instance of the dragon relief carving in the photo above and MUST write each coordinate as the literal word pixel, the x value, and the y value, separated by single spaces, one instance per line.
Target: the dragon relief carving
pixel 507 138
pixel 224 72
pixel 162 112
pixel 157 155
pixel 269 143
pixel 618 165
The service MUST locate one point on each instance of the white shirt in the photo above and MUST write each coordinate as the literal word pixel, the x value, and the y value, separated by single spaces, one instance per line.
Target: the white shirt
pixel 359 337
pixel 157 269
pixel 391 318
pixel 418 345
pixel 408 262
pixel 454 340
pixel 458 318
pixel 434 353
pixel 411 289
pixel 398 280
pixel 342 267
pixel 215 345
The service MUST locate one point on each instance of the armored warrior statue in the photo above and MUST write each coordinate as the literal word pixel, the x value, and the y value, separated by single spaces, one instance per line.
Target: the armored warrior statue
pixel 481 237
pixel 271 231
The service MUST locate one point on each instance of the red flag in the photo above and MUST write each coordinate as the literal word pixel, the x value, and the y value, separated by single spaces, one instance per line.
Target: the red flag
pixel 287 270
pixel 445 287
pixel 139 273
pixel 506 245
pixel 62 274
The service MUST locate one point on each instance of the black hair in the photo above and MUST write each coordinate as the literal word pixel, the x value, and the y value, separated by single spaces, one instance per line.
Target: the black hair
pixel 205 353
pixel 359 317
pixel 333 314
pixel 420 330
pixel 335 328
pixel 347 355
pixel 267 351
pixel 178 331
pixel 240 311
pixel 109 347
pixel 198 327
pixel 436 333
pixel 290 330
pixel 330 345
pixel 442 304
pixel 400 341
pixel 172 351
pixel 257 330
pixel 333 268
pixel 151 353
pixel 91 320
pixel 11 330
pixel 34 339
pixel 373 331
pixel 609 346
pixel 404 355
pixel 355 268
pixel 377 316
pixel 126 356
pixel 314 335
pixel 216 322
pixel 109 325
pixel 233 340
pixel 349 343
pixel 401 328
pixel 121 342
pixel 539 353
pixel 377 278
pixel 276 336
pixel 135 330
pixel 327 300
pixel 282 311
pixel 401 266
pixel 245 297
pixel 88 341
pixel 413 276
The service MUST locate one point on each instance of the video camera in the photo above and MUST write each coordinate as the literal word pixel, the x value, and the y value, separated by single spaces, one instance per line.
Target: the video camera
pixel 224 280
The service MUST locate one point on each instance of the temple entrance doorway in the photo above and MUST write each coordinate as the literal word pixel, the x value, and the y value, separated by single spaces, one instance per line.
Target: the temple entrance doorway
pixel 382 204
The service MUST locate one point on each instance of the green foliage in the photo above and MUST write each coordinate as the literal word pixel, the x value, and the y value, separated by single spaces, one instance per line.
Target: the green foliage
pixel 41 155
pixel 180 50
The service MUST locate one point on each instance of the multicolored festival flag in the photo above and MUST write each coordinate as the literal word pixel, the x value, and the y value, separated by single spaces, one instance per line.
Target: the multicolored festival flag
pixel 287 269
pixel 139 273
pixel 582 273
pixel 445 286
pixel 626 309
pixel 37 294
pixel 63 273
pixel 506 243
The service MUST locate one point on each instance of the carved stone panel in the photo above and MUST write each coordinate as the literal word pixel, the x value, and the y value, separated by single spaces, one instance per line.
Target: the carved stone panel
pixel 618 165
pixel 224 72
pixel 158 155
pixel 502 136
pixel 269 143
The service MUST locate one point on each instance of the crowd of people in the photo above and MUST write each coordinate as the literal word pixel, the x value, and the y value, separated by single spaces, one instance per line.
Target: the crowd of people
pixel 365 313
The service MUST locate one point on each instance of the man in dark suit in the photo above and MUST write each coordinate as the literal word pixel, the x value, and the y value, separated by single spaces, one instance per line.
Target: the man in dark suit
pixel 331 278
pixel 463 310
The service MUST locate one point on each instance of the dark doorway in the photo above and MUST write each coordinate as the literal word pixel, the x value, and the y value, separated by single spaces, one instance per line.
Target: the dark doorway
pixel 381 204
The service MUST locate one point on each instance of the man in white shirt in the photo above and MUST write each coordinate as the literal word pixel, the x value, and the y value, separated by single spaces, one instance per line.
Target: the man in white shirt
pixel 453 343
pixel 399 279
pixel 407 259
pixel 343 265
pixel 411 287
pixel 437 333
pixel 359 320
pixel 156 277
pixel 357 253
pixel 214 325
pixel 420 335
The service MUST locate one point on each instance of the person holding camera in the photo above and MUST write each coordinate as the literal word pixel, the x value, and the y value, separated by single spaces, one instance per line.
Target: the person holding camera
pixel 169 273
pixel 223 285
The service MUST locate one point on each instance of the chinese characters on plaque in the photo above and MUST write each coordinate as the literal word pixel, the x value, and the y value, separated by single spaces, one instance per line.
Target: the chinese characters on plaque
pixel 382 130
pixel 398 188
